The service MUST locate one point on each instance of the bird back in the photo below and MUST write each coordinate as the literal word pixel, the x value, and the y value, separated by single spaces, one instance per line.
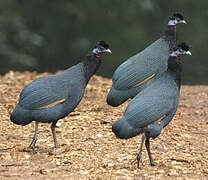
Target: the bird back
pixel 150 61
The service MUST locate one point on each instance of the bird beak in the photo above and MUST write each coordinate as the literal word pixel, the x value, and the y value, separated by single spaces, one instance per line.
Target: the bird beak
pixel 109 51
pixel 184 22
pixel 188 53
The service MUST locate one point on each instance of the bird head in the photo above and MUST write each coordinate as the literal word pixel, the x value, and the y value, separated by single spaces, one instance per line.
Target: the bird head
pixel 101 47
pixel 177 18
pixel 181 49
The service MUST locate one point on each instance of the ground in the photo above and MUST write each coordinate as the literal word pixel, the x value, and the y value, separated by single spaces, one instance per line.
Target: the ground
pixel 89 149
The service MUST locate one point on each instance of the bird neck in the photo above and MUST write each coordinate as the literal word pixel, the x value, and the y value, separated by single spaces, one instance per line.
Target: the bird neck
pixel 175 68
pixel 170 35
pixel 91 65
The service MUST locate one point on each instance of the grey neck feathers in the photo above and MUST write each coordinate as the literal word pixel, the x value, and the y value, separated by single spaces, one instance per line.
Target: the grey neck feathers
pixel 90 65
pixel 175 68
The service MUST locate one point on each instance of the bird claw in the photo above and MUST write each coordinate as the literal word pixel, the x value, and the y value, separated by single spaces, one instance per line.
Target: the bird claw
pixel 33 148
pixel 56 146
pixel 152 164
pixel 32 144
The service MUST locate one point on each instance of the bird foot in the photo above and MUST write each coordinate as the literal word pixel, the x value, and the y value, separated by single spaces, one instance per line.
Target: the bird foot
pixel 33 148
pixel 56 146
pixel 32 144
pixel 30 149
pixel 152 163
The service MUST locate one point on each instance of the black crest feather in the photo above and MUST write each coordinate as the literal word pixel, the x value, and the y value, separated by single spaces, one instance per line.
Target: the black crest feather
pixel 183 46
pixel 178 15
pixel 103 44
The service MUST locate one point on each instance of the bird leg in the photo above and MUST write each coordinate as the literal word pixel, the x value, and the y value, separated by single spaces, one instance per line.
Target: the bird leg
pixel 139 156
pixel 147 144
pixel 32 144
pixel 53 126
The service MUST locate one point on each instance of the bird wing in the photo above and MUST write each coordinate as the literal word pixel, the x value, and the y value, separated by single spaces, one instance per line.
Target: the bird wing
pixel 143 65
pixel 44 92
pixel 152 104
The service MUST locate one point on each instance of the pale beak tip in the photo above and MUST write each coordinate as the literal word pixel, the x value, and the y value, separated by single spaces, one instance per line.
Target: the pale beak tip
pixel 109 51
pixel 189 53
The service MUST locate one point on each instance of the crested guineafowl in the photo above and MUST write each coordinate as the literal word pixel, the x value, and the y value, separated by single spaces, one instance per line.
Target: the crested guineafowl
pixel 155 106
pixel 53 97
pixel 130 77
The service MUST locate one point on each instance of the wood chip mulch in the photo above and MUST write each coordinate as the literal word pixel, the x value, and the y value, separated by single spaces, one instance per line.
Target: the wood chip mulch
pixel 89 149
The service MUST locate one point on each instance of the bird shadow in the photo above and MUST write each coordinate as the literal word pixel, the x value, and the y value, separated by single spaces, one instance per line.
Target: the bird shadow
pixel 45 150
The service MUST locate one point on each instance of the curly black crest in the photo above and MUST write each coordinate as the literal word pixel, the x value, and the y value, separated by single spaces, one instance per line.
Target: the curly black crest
pixel 183 46
pixel 103 44
pixel 178 15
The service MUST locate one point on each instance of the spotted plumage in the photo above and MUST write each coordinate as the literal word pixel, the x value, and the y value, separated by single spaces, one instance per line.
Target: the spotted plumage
pixel 155 106
pixel 53 97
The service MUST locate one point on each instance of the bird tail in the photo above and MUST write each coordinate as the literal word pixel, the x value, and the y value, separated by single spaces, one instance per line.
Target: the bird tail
pixel 21 116
pixel 117 97
pixel 123 130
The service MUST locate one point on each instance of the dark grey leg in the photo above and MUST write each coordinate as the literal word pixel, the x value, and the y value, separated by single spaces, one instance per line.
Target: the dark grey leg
pixel 32 144
pixel 53 126
pixel 139 156
pixel 147 144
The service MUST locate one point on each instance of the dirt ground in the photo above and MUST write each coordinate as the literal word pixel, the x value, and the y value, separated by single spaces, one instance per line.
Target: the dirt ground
pixel 89 149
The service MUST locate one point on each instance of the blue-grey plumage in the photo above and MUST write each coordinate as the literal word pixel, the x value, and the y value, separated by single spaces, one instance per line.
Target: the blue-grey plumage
pixel 155 106
pixel 152 103
pixel 117 97
pixel 152 60
pixel 143 68
pixel 53 97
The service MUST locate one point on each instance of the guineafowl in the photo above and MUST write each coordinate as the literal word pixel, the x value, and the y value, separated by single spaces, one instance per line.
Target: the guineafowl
pixel 155 106
pixel 53 97
pixel 152 61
